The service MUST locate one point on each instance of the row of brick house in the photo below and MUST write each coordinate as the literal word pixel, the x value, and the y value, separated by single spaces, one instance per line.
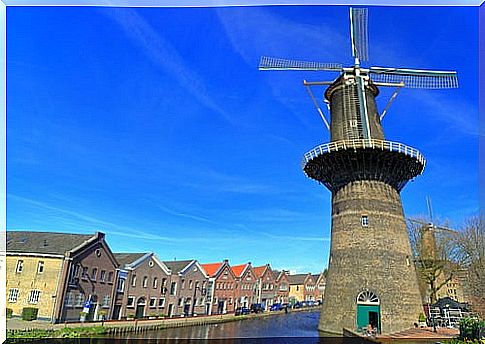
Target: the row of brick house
pixel 69 276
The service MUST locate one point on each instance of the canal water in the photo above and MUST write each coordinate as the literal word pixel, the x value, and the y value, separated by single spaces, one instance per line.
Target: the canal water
pixel 293 324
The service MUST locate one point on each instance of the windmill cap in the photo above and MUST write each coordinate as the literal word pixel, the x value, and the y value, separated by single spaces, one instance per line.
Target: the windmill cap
pixel 339 83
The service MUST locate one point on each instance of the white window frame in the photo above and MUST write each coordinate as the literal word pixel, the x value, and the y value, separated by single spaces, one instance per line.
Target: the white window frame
pixel 153 302
pixel 79 300
pixel 162 301
pixel 20 266
pixel 13 295
pixel 173 291
pixel 40 265
pixel 102 276
pixel 132 303
pixel 121 285
pixel 34 296
pixel 106 301
pixel 364 220
pixel 70 299
pixel 133 281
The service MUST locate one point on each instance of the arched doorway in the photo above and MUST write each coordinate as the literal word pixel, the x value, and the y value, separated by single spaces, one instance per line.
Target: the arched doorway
pixel 140 308
pixel 368 310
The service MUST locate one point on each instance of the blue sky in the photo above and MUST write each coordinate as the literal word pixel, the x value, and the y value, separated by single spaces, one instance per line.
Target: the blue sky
pixel 155 126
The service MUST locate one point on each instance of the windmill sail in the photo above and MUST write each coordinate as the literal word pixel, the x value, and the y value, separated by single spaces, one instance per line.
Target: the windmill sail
pixel 359 33
pixel 415 78
pixel 272 63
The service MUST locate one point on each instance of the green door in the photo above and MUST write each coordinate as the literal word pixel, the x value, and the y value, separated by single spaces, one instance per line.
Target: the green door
pixel 368 314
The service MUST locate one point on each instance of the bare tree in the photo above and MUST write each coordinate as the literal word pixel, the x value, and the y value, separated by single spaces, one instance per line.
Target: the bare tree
pixel 433 254
pixel 469 251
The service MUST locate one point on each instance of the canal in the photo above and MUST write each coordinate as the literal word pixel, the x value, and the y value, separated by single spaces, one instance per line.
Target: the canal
pixel 293 324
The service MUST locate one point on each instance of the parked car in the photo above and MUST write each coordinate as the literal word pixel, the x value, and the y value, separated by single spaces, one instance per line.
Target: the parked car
pixel 257 308
pixel 276 307
pixel 242 311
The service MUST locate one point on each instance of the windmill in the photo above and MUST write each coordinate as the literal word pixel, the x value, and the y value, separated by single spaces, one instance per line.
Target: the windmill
pixel 370 277
pixel 363 77
pixel 432 256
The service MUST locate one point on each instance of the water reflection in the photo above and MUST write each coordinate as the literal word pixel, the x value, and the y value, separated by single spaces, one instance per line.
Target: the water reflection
pixel 298 324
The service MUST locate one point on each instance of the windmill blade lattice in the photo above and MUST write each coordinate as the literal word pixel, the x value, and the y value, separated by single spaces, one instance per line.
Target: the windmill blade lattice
pixel 359 33
pixel 414 78
pixel 272 63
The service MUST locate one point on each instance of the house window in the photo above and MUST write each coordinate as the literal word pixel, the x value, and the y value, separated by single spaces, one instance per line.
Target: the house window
pixel 110 277
pixel 181 301
pixel 153 302
pixel 85 273
pixel 40 267
pixel 106 300
pixel 161 302
pixel 20 266
pixel 94 274
pixel 79 300
pixel 13 295
pixel 145 281
pixel 133 281
pixel 102 276
pixel 74 273
pixel 130 302
pixel 173 288
pixel 34 296
pixel 190 284
pixel 121 285
pixel 183 284
pixel 365 221
pixel 155 282
pixel 70 299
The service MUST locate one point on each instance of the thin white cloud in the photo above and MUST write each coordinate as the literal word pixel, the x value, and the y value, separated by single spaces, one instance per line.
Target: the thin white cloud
pixel 183 214
pixel 107 227
pixel 165 56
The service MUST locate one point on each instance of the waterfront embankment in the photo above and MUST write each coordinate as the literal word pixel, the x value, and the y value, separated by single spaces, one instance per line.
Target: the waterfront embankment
pixel 19 328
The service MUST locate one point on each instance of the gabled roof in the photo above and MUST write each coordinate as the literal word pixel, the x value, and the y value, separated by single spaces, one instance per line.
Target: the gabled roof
pixel 239 269
pixel 45 242
pixel 212 268
pixel 297 279
pixel 131 261
pixel 177 265
pixel 260 270
pixel 280 274
pixel 128 258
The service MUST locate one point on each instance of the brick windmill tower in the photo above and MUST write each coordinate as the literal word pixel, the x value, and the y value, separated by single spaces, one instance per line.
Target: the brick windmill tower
pixel 371 275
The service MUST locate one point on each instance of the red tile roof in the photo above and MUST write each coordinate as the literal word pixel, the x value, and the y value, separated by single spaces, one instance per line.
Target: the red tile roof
pixel 259 270
pixel 238 269
pixel 212 268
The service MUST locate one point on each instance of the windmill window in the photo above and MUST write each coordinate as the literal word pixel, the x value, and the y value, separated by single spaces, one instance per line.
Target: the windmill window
pixel 367 297
pixel 364 220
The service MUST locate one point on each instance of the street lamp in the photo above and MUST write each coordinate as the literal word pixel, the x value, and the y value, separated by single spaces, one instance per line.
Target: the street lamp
pixel 203 291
